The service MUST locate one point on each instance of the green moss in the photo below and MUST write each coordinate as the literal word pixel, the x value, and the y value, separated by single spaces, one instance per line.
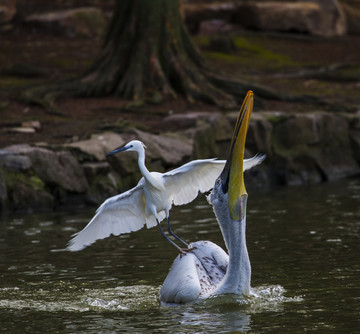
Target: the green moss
pixel 69 62
pixel 243 44
pixel 94 22
pixel 248 52
pixel 274 118
pixel 342 73
pixel 264 61
pixel 201 41
pixel 224 57
pixel 14 82
pixel 315 87
pixel 36 183
pixel 4 106
pixel 12 179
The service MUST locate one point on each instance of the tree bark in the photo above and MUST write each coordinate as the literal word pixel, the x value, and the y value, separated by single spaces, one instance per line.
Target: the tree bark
pixel 149 56
pixel 148 52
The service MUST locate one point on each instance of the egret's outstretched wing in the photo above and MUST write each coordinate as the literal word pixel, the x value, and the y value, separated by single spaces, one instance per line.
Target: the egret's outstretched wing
pixel 254 161
pixel 119 214
pixel 184 183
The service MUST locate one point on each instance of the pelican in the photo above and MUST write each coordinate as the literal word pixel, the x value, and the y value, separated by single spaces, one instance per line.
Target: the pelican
pixel 207 270
pixel 150 201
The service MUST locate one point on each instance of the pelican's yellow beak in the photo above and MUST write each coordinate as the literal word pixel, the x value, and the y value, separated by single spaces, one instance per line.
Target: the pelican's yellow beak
pixel 233 172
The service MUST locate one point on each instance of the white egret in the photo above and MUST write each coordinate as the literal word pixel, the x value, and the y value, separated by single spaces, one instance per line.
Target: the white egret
pixel 150 201
pixel 207 270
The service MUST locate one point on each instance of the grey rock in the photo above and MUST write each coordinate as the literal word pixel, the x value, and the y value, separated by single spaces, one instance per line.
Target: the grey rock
pixel 3 190
pixel 215 27
pixel 98 145
pixel 355 142
pixel 321 18
pixel 54 168
pixel 171 148
pixel 259 136
pixel 7 11
pixel 351 9
pixel 301 148
pixel 104 186
pixel 25 198
pixel 15 162
pixel 188 120
pixel 312 147
pixel 80 22
pixel 92 169
pixel 204 141
pixel 200 12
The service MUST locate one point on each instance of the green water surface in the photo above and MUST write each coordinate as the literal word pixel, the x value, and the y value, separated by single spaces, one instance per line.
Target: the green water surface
pixel 303 244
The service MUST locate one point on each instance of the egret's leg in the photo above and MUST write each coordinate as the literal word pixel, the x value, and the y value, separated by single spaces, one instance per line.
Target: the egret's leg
pixel 173 234
pixel 181 250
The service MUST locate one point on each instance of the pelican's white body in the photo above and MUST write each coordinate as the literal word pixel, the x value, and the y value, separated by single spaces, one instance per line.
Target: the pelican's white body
pixel 195 274
pixel 151 198
pixel 207 270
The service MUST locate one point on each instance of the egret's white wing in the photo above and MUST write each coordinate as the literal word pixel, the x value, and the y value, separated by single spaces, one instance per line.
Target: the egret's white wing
pixel 119 214
pixel 184 183
pixel 254 161
pixel 151 220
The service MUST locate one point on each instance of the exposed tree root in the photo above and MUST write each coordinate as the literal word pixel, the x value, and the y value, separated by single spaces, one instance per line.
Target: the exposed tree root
pixel 147 57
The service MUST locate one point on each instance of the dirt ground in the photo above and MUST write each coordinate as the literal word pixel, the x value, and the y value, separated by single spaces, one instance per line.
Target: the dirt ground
pixel 273 60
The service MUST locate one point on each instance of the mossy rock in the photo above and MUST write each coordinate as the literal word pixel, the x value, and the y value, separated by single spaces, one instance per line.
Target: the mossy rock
pixel 103 186
pixel 314 142
pixel 12 179
pixel 204 142
pixel 25 192
pixel 341 73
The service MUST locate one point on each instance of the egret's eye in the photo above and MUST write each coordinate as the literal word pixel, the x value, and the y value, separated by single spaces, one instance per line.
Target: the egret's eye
pixel 218 181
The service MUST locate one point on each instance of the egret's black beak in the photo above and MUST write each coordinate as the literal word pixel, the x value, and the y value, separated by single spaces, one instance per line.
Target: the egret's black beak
pixel 120 149
pixel 232 176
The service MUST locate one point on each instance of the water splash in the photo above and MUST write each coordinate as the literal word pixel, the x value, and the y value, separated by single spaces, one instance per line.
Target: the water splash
pixel 269 298
pixel 131 298
pixel 70 298
pixel 263 298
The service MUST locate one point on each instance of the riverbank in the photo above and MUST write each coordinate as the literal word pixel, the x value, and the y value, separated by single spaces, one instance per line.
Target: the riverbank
pixel 49 159
pixel 300 148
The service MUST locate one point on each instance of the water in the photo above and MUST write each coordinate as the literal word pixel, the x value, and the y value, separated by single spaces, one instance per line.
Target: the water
pixel 304 249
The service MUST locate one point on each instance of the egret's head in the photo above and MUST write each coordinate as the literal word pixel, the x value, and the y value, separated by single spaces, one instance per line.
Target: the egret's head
pixel 231 180
pixel 134 145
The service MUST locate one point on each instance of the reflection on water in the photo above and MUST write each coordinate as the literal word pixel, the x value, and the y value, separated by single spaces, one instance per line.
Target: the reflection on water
pixel 303 246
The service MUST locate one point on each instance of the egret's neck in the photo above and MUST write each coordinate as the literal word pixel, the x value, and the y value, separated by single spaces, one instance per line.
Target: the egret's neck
pixel 238 275
pixel 141 161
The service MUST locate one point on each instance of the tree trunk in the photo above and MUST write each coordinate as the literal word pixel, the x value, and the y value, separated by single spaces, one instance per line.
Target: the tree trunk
pixel 148 52
pixel 147 56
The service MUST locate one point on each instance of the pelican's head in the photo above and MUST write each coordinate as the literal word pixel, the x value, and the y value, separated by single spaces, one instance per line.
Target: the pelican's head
pixel 134 145
pixel 230 184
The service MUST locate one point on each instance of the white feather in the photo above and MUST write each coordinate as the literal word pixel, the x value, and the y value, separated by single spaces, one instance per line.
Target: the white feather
pixel 195 274
pixel 119 214
pixel 183 184
pixel 152 197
